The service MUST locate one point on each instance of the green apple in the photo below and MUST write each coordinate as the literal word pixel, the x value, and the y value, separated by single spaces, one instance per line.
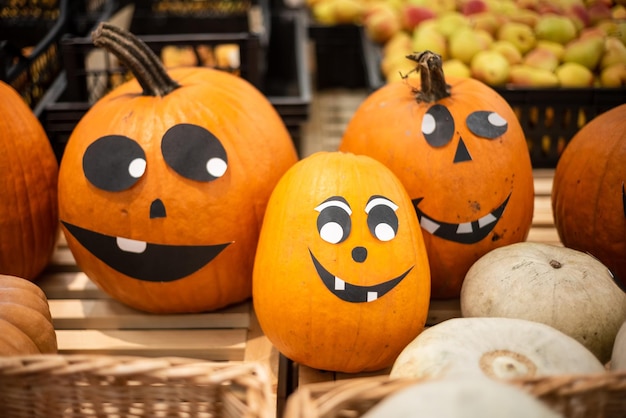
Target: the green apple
pixel 428 38
pixel 456 68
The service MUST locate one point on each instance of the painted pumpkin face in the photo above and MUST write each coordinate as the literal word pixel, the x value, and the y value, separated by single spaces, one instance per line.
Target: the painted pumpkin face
pixel 341 255
pixel 589 192
pixel 161 198
pixel 463 160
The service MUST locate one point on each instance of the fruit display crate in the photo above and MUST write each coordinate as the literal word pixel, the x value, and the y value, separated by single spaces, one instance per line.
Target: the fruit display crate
pixel 285 82
pixel 550 117
pixel 30 41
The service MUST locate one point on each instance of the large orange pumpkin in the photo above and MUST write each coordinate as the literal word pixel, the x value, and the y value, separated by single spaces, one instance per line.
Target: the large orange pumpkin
pixel 25 321
pixel 29 220
pixel 461 153
pixel 341 277
pixel 588 193
pixel 164 182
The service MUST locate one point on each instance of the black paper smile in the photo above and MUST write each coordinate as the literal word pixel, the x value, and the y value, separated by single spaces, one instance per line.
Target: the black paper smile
pixel 354 293
pixel 465 233
pixel 146 261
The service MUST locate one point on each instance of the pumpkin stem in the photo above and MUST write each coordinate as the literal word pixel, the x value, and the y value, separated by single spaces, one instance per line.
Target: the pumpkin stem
pixel 137 57
pixel 555 264
pixel 434 86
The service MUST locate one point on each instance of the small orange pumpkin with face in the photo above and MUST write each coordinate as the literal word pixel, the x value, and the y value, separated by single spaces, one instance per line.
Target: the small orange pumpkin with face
pixel 461 153
pixel 341 278
pixel 162 189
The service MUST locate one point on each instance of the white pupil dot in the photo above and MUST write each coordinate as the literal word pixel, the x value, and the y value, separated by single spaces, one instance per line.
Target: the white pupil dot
pixel 384 232
pixel 331 232
pixel 428 124
pixel 137 167
pixel 216 167
pixel 496 120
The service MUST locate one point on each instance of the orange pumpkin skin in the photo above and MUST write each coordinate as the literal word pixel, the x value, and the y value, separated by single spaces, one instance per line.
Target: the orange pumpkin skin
pixel 388 126
pixel 310 321
pixel 25 320
pixel 588 192
pixel 226 211
pixel 28 186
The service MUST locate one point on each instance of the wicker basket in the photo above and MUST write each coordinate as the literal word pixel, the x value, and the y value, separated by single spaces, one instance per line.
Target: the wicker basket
pixel 118 386
pixel 574 396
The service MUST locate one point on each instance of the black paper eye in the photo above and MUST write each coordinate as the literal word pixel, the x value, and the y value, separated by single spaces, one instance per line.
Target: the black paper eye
pixel 381 218
pixel 194 152
pixel 333 222
pixel 438 125
pixel 114 163
pixel 488 125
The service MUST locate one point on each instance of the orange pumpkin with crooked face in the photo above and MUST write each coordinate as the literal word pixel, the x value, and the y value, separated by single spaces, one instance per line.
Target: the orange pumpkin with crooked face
pixel 460 151
pixel 341 278
pixel 162 195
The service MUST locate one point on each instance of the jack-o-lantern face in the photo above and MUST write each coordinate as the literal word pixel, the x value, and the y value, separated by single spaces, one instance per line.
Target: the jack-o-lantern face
pixel 342 256
pixel 161 196
pixel 115 163
pixel 464 161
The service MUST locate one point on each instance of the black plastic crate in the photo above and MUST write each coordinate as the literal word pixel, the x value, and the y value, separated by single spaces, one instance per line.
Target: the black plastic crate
pixel 31 33
pixel 201 16
pixel 550 117
pixel 286 84
pixel 339 58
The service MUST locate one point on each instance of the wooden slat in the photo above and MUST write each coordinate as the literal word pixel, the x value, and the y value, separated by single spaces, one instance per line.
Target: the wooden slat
pixel 209 344
pixel 110 314
pixel 69 285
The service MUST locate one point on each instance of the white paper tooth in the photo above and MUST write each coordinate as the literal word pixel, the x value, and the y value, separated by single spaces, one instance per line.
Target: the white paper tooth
pixel 372 296
pixel 486 220
pixel 339 284
pixel 429 225
pixel 464 228
pixel 131 245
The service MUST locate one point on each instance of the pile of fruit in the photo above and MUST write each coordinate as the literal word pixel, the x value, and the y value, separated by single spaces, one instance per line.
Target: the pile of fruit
pixel 531 43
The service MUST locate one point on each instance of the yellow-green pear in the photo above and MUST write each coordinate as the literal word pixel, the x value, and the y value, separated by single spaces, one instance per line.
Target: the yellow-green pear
pixel 614 75
pixel 614 52
pixel 541 58
pixel 324 12
pixel 490 67
pixel 526 76
pixel 508 50
pixel 464 44
pixel 584 51
pixel 556 28
pixel 572 74
pixel 519 34
pixel 556 48
pixel 428 38
pixel 348 11
pixel 456 68
pixel 486 21
pixel 451 21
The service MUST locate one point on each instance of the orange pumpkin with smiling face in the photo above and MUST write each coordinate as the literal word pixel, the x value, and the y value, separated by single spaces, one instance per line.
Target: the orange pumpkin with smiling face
pixel 460 151
pixel 341 278
pixel 164 182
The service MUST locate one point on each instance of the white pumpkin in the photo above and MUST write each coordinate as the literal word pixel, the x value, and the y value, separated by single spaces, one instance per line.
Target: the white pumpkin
pixel 558 286
pixel 618 355
pixel 461 398
pixel 500 348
